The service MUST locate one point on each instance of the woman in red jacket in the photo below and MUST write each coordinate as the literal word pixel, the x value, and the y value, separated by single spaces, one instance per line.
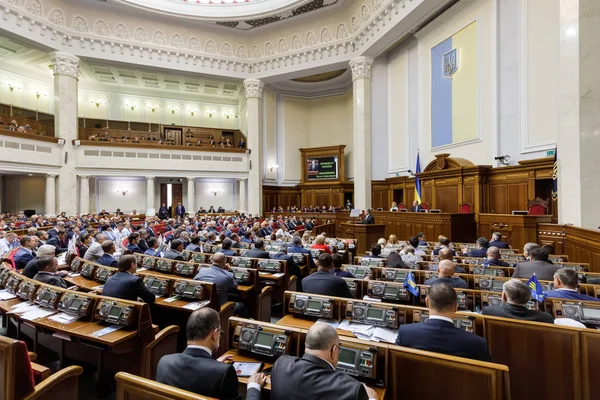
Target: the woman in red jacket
pixel 320 244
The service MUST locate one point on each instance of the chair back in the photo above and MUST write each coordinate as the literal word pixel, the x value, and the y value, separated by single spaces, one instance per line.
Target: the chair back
pixel 537 206
pixel 465 208
pixel 132 387
pixel 425 206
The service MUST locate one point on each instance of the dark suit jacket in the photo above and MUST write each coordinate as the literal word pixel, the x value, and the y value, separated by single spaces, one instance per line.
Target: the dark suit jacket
pixel 499 244
pixel 255 253
pixel 172 255
pixel 437 251
pixel 61 247
pixel 416 209
pixel 325 283
pixel 518 312
pixel 310 377
pixel 123 285
pixel 134 248
pixel 543 270
pixel 194 370
pixel 107 260
pixel 443 337
pixel 368 220
pixel 477 253
pixel 31 269
pixel 560 294
pixel 51 279
pixel 497 263
pixel 22 258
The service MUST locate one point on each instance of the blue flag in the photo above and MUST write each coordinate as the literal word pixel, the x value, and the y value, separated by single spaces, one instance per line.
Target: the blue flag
pixel 410 284
pixel 418 195
pixel 537 291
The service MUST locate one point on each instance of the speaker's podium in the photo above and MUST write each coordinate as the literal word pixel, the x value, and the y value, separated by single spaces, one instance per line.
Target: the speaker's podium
pixel 365 235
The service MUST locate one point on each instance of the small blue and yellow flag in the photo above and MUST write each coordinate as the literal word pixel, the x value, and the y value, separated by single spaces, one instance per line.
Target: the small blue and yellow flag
pixel 537 291
pixel 418 194
pixel 410 284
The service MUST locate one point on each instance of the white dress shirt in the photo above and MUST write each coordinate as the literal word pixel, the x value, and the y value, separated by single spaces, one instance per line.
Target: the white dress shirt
pixel 442 318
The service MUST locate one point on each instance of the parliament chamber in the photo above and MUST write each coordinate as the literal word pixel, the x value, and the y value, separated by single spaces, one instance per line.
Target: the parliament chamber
pixel 299 199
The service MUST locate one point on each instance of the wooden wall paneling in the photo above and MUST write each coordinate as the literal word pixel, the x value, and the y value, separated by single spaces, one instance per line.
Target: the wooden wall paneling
pixel 517 196
pixel 447 198
pixel 468 193
pixel 498 199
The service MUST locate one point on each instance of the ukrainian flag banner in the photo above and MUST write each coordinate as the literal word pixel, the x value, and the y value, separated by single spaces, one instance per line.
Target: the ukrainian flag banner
pixel 418 195
pixel 410 284
pixel 555 176
pixel 455 88
pixel 537 291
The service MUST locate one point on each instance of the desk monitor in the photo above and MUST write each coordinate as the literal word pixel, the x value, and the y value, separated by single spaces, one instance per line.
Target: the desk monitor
pixel 263 340
pixel 76 265
pixel 158 286
pixel 185 269
pixel 4 275
pixel 114 312
pixel 27 290
pixel 47 296
pixel 103 273
pixel 372 262
pixel 13 283
pixel 270 266
pixel 435 211
pixel 149 262
pixel 241 275
pixel 464 323
pixel 520 212
pixel 583 312
pixel 88 270
pixel 75 304
pixel 372 314
pixel 359 272
pixel 165 266
pixel 357 362
pixel 311 305
pixel 298 258
pixel 189 290
pixel 387 291
pixel 241 262
pixel 198 257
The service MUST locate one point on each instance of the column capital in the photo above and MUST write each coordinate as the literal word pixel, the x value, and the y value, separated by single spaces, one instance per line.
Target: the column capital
pixel 84 176
pixel 150 178
pixel 361 67
pixel 190 178
pixel 253 88
pixel 52 176
pixel 65 64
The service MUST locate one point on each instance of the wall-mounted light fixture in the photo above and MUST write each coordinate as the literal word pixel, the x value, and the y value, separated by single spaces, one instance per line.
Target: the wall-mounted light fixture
pixel 12 86
pixel 215 191
pixel 153 107
pixel 98 102
pixel 131 106
pixel 39 94
pixel 228 115
pixel 192 111
pixel 123 191
pixel 272 167
pixel 210 113
pixel 173 109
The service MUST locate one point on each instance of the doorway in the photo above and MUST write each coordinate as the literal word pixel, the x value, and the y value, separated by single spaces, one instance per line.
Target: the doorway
pixel 171 194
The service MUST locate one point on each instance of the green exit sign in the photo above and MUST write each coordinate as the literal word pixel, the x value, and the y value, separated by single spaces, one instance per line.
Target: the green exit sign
pixel 550 153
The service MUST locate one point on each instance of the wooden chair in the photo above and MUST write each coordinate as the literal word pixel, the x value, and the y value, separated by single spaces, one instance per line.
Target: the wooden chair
pixel 425 206
pixel 225 313
pixel 537 206
pixel 264 304
pixel 465 208
pixel 590 354
pixel 411 371
pixel 401 206
pixel 17 372
pixel 164 343
pixel 132 387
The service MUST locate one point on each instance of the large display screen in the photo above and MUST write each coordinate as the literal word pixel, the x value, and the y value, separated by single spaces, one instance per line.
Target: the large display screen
pixel 264 339
pixel 322 168
pixel 375 313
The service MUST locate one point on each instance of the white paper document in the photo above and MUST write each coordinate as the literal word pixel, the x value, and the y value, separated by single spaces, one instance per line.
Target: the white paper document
pixel 107 330
pixel 385 335
pixel 39 313
pixel 63 318
pixel 330 322
pixel 4 295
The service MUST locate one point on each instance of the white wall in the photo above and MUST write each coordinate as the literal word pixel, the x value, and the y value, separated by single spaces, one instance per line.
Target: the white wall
pixel 379 118
pixel 108 198
pixel 25 92
pixel 226 196
pixel 24 193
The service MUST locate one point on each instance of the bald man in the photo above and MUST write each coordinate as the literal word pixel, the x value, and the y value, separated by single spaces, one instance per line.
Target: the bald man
pixel 446 254
pixel 493 258
pixel 446 272
pixel 220 274
pixel 314 376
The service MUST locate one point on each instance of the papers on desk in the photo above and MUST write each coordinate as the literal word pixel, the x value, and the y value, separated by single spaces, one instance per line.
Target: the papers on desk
pixel 107 330
pixel 63 318
pixel 73 275
pixel 196 305
pixel 279 274
pixel 370 332
pixel 37 313
pixel 99 287
pixel 62 259
pixel 171 299
pixel 4 295
pixel 141 269
pixel 245 369
pixel 371 298
pixel 330 322
pixel 23 308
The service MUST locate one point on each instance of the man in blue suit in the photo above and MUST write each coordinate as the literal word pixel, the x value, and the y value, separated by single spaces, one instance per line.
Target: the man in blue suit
pixel 125 285
pixel 180 210
pixel 497 241
pixel 438 333
pixel 152 248
pixel 565 286
pixel 480 251
pixel 133 243
pixel 25 253
pixel 298 248
pixel 226 248
pixel 107 259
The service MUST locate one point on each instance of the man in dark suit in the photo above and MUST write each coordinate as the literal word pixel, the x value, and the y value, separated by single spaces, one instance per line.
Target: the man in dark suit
pixel 446 254
pixel 258 251
pixel 336 260
pixel 196 371
pixel 416 207
pixel 31 269
pixel 133 243
pixel 25 253
pixel 497 241
pixel 314 376
pixel 175 252
pixel 438 333
pixel 297 247
pixel 163 211
pixel 444 244
pixel 493 258
pixel 480 251
pixel 565 286
pixel 538 265
pixel 180 210
pixel 369 220
pixel 107 259
pixel 446 274
pixel 515 295
pixel 47 267
pixel 125 285
pixel 324 282
pixel 59 241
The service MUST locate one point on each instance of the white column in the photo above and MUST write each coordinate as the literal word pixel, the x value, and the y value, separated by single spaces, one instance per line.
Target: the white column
pixel 578 138
pixel 84 194
pixel 254 91
pixel 191 194
pixel 242 196
pixel 150 194
pixel 50 208
pixel 361 93
pixel 65 67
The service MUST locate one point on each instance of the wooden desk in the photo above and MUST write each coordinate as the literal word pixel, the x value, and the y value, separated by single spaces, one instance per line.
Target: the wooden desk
pixel 83 282
pixel 291 320
pixel 365 235
pixel 516 229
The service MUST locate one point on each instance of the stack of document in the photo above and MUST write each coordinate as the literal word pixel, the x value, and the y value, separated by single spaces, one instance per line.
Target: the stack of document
pixel 4 295
pixel 370 332
pixel 31 311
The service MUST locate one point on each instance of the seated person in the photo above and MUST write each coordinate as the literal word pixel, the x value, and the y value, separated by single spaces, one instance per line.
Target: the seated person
pixel 394 260
pixel 226 248
pixel 444 244
pixel 324 282
pixel 375 251
pixel 320 244
pixel 25 252
pixel 446 272
pixel 414 242
pixel 194 244
pixel 421 237
pixel 538 266
pixel 175 252
pixel 107 259
pixel 31 269
pixel 497 241
pixel 152 247
pixel 47 267
pixel 218 377
pixel 60 241
pixel 336 260
pixel 258 251
pixel 94 252
pixel 438 333
pixel 445 254
pixel 515 295
pixel 409 258
pixel 133 242
pixel 125 284
pixel 297 247
pixel 314 376
pixel 480 251
pixel 493 258
pixel 220 274
pixel 565 286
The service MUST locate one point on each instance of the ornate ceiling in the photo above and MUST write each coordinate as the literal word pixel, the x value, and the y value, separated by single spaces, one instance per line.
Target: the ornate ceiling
pixel 237 14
